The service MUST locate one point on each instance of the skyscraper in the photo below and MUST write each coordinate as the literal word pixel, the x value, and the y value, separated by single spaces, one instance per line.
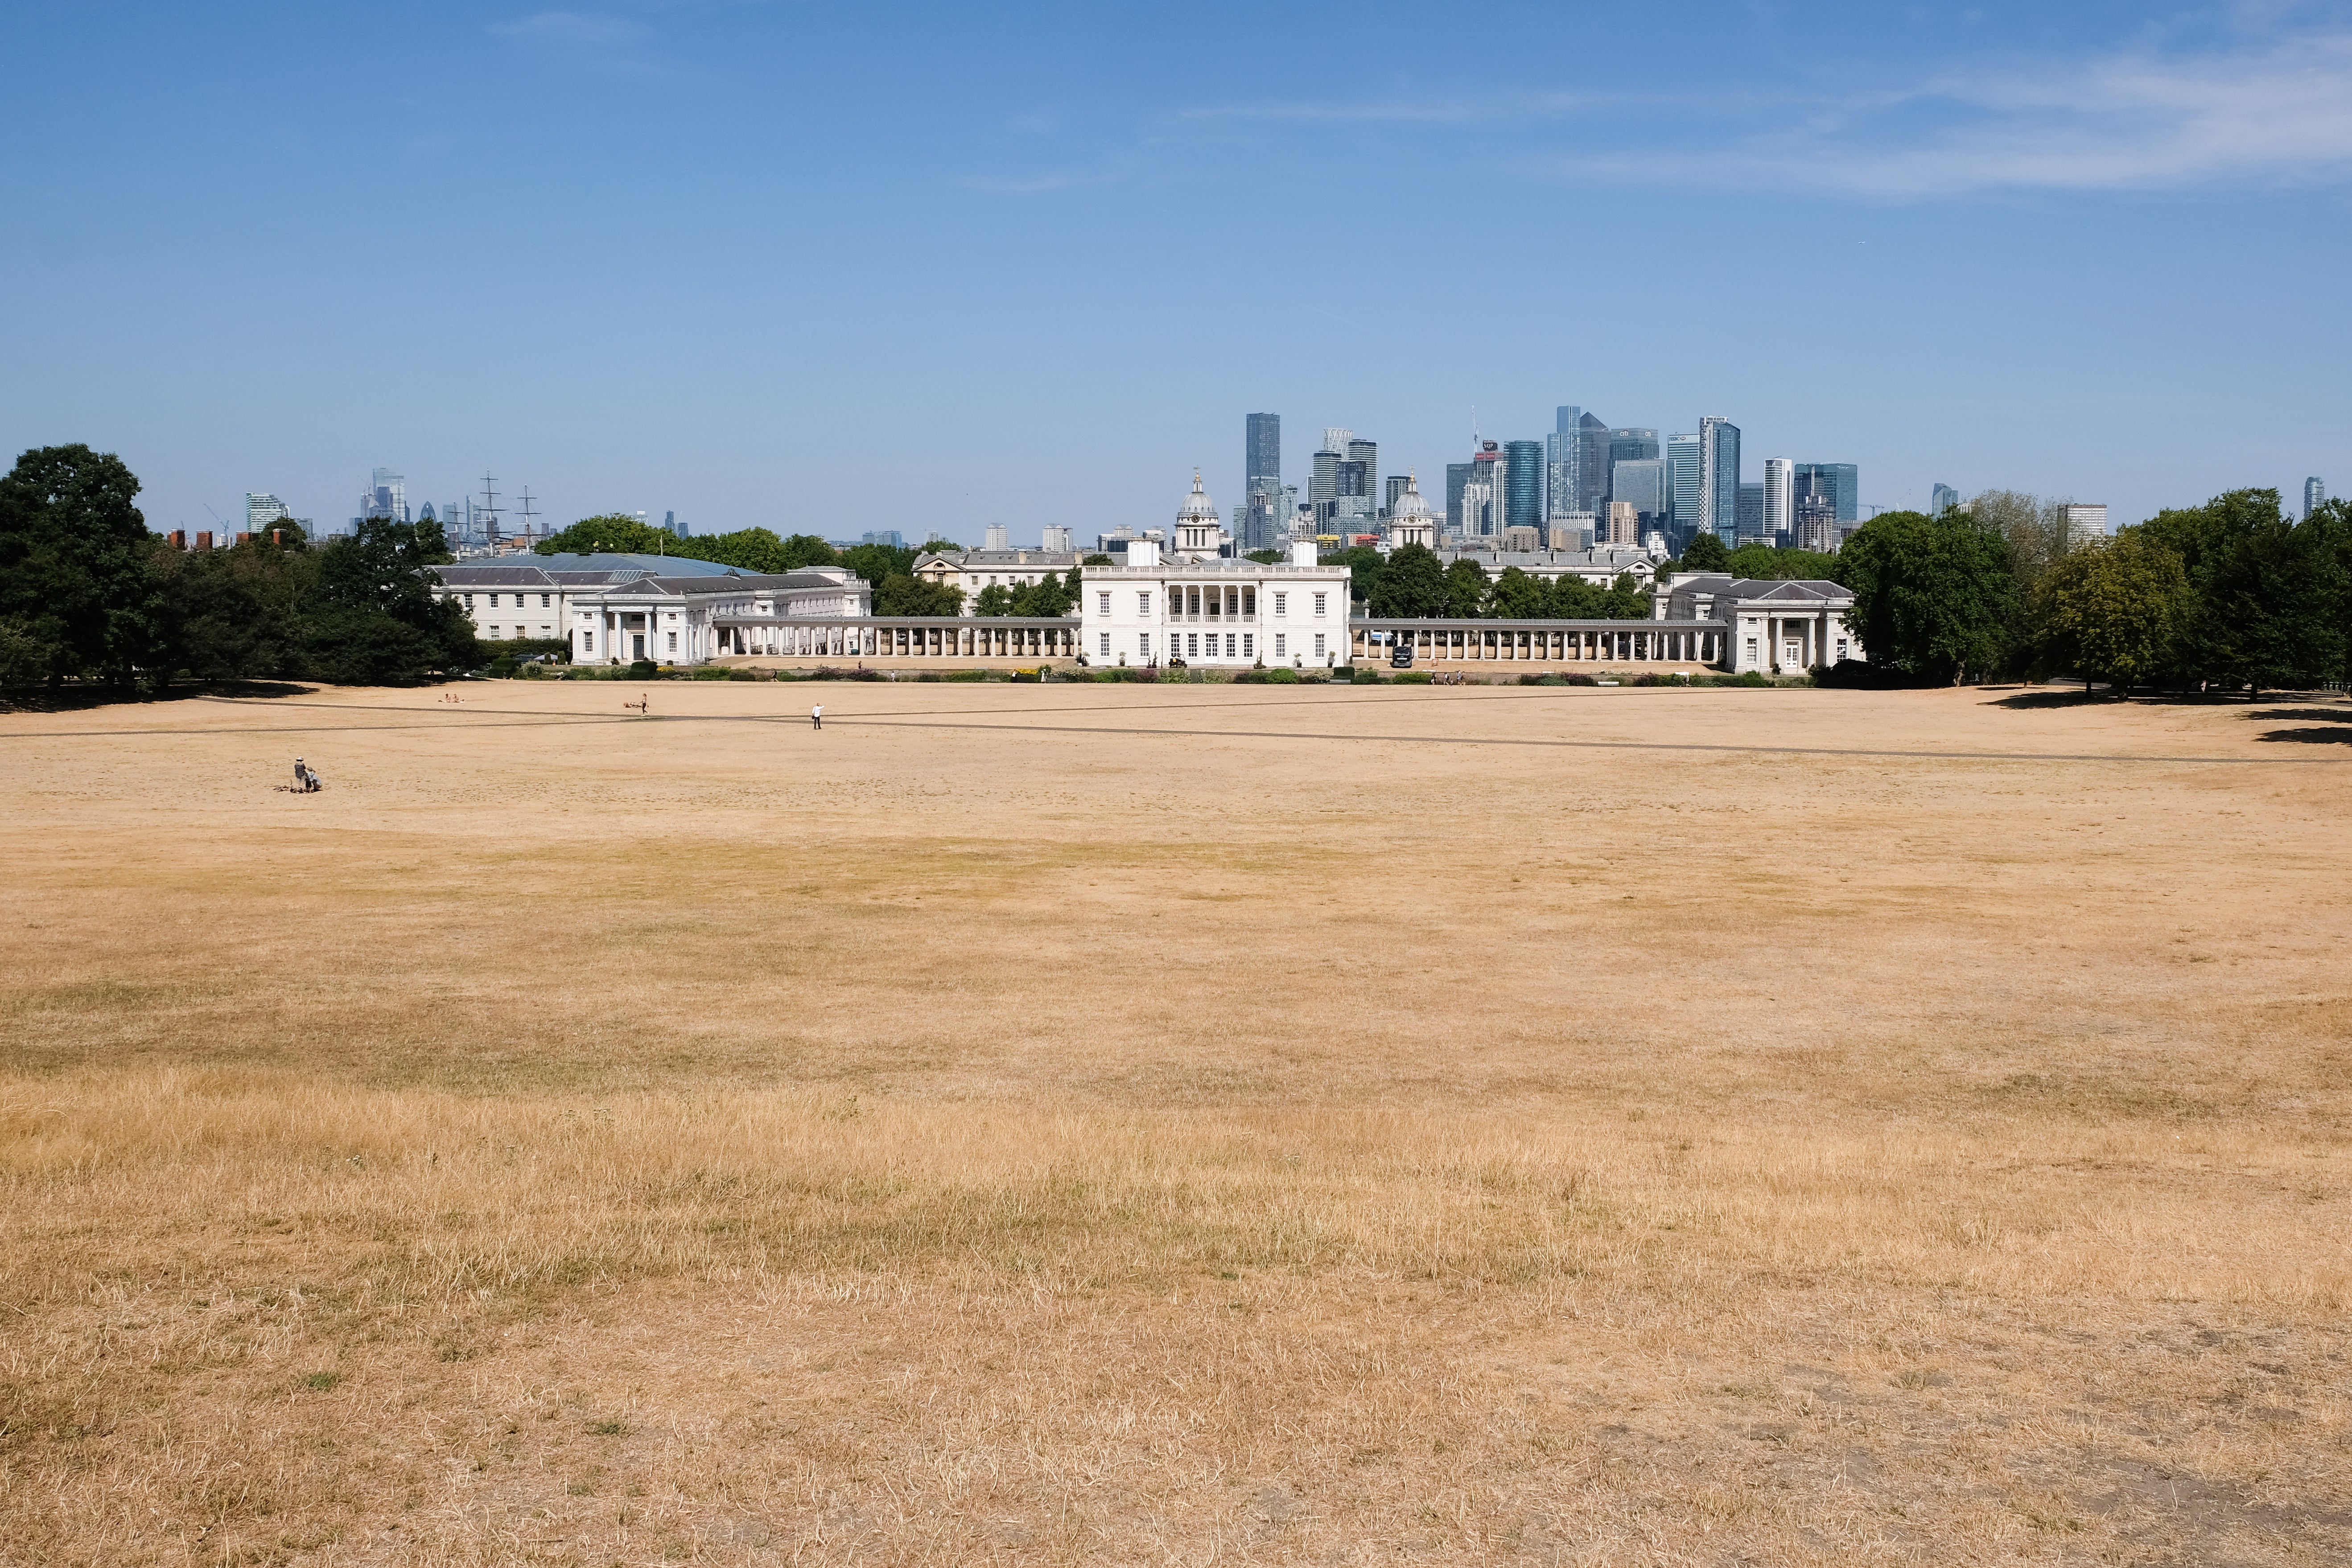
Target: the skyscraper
pixel 1457 486
pixel 1838 481
pixel 1751 509
pixel 1941 499
pixel 1523 484
pixel 1631 444
pixel 262 509
pixel 1564 463
pixel 1718 476
pixel 1263 524
pixel 1641 483
pixel 386 497
pixel 2314 496
pixel 1682 482
pixel 1592 461
pixel 1359 479
pixel 1779 500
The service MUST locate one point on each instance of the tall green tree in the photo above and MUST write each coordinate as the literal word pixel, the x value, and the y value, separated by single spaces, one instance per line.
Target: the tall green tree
pixel 1365 567
pixel 615 533
pixel 1413 584
pixel 375 616
pixel 1705 553
pixel 996 599
pixel 904 594
pixel 1517 596
pixel 1763 561
pixel 77 595
pixel 1466 590
pixel 2271 593
pixel 1626 600
pixel 2116 612
pixel 1934 597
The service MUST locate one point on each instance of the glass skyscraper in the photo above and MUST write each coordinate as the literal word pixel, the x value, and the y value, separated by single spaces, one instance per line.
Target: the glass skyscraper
pixel 2314 496
pixel 1564 463
pixel 1943 499
pixel 1523 484
pixel 1682 478
pixel 1718 476
pixel 1840 483
pixel 1260 523
pixel 1641 483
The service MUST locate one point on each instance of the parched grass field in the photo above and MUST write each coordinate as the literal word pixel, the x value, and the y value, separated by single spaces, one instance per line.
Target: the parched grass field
pixel 1176 1125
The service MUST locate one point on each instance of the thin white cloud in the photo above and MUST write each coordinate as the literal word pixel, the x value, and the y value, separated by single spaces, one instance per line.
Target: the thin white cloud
pixel 1036 185
pixel 2277 116
pixel 573 27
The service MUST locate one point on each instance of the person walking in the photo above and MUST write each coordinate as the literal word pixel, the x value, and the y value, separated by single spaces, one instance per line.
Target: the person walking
pixel 816 716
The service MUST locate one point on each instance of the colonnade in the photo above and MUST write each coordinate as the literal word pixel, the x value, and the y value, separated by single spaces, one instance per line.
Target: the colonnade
pixel 1607 642
pixel 984 637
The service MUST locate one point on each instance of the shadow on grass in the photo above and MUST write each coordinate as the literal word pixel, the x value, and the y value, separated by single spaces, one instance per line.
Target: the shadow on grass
pixel 2326 713
pixel 2331 735
pixel 79 699
pixel 2074 698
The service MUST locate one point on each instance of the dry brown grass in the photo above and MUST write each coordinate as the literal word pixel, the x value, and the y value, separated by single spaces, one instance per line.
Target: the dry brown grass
pixel 1130 1125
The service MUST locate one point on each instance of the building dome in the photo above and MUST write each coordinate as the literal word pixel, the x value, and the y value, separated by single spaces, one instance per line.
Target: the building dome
pixel 1409 502
pixel 1197 506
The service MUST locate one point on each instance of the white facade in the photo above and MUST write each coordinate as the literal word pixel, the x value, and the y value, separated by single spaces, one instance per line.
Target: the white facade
pixel 1774 627
pixel 1215 611
pixel 623 608
pixel 1779 497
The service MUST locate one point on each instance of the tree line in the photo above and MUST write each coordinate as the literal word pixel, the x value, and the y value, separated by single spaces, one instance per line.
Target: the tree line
pixel 889 569
pixel 2234 593
pixel 86 594
pixel 1413 583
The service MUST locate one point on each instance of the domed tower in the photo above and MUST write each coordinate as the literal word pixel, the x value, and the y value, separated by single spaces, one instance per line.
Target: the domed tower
pixel 1199 534
pixel 1410 522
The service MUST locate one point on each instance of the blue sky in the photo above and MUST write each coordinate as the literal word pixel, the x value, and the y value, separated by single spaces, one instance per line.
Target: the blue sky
pixel 829 268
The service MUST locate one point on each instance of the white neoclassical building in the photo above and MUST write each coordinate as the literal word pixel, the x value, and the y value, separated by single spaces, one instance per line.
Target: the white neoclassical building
pixel 1770 625
pixel 972 570
pixel 1215 611
pixel 621 608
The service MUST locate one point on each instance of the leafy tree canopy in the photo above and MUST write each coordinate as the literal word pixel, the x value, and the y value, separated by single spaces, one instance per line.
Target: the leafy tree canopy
pixel 1934 597
pixel 904 594
pixel 1413 584
pixel 613 533
pixel 1263 557
pixel 1761 560
pixel 2115 612
pixel 76 594
pixel 1706 553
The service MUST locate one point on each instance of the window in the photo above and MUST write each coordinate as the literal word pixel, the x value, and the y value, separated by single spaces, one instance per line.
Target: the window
pixel 545 600
pixel 1318 643
pixel 1249 600
pixel 587 642
pixel 470 601
pixel 1105 601
pixel 1229 645
pixel 673 642
pixel 1282 604
pixel 1192 645
pixel 1318 605
pixel 494 601
pixel 1281 645
pixel 1143 644
pixel 1106 638
pixel 1143 605
pixel 1249 645
pixel 494 638
pixel 1751 647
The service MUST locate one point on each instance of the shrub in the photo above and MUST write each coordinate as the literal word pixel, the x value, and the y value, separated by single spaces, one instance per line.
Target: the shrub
pixel 1280 677
pixel 1361 677
pixel 644 669
pixel 1580 681
pixel 1415 677
pixel 710 672
pixel 503 667
pixel 1648 678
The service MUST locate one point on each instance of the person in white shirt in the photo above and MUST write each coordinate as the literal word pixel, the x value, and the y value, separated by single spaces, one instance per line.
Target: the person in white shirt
pixel 816 716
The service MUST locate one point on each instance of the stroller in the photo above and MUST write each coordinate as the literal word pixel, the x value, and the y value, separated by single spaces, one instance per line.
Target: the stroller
pixel 306 782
